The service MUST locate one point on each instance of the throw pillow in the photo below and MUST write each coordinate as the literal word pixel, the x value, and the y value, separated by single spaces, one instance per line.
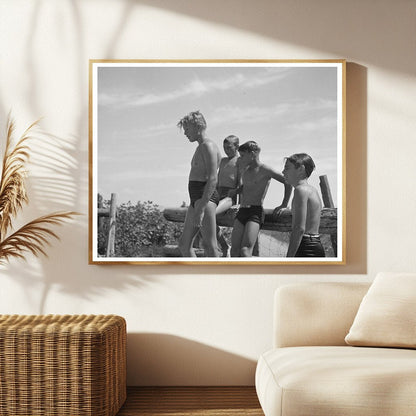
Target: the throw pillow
pixel 386 316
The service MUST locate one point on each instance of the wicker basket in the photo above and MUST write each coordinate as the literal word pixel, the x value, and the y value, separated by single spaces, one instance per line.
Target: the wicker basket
pixel 71 365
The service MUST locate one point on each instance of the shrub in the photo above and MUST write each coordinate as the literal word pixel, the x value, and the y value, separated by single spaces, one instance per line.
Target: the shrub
pixel 141 231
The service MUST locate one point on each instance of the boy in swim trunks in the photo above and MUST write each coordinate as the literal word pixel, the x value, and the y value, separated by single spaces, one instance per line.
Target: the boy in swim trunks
pixel 306 208
pixel 255 182
pixel 229 179
pixel 202 188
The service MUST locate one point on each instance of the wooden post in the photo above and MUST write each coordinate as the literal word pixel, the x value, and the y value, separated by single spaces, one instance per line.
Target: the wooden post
pixel 112 226
pixel 100 218
pixel 329 203
pixel 100 221
pixel 326 192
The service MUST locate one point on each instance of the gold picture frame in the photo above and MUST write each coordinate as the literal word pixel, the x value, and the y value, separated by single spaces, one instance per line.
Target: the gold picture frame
pixel 139 159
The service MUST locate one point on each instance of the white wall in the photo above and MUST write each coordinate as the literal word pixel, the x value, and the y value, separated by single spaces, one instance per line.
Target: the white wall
pixel 188 324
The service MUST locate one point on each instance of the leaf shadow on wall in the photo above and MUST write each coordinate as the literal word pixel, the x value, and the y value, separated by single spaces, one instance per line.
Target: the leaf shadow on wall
pixel 338 28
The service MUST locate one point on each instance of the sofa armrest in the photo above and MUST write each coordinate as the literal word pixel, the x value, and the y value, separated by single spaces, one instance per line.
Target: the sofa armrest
pixel 308 314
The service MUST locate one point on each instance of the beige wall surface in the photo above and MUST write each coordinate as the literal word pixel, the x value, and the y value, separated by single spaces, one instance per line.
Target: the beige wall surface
pixel 204 325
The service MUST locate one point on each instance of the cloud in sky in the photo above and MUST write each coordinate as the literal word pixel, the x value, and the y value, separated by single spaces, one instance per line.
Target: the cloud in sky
pixel 232 115
pixel 249 114
pixel 142 174
pixel 229 115
pixel 195 87
pixel 152 130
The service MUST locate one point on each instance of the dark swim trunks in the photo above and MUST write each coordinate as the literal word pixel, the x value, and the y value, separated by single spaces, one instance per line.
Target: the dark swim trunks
pixel 254 213
pixel 223 192
pixel 310 246
pixel 196 190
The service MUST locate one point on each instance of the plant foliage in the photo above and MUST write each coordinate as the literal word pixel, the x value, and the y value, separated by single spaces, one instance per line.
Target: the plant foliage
pixel 35 235
pixel 141 231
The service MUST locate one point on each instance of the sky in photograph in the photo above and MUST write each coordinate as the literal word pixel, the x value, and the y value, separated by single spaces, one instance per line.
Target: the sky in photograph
pixel 143 156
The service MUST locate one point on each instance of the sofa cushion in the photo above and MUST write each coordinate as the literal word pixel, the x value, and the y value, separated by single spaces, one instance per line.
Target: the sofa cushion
pixel 387 314
pixel 304 381
pixel 317 314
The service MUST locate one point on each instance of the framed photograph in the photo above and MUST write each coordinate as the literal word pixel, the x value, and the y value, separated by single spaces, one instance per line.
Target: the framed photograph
pixel 217 162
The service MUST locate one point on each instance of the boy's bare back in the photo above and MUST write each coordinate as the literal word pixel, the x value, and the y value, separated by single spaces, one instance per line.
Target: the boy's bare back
pixel 311 196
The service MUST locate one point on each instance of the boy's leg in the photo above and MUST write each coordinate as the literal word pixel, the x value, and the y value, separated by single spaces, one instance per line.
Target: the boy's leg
pixel 236 238
pixel 251 233
pixel 225 248
pixel 188 235
pixel 224 205
pixel 208 230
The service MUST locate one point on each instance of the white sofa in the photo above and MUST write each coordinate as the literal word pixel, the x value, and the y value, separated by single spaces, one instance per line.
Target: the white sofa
pixel 311 370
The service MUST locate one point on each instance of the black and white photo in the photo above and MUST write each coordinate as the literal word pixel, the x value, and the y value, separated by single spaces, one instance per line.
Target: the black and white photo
pixel 175 176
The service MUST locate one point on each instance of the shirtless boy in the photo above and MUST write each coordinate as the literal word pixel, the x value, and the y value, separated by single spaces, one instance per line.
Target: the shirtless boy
pixel 229 179
pixel 228 174
pixel 202 188
pixel 255 182
pixel 306 208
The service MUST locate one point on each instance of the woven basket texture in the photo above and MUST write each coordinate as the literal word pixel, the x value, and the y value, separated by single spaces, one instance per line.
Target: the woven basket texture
pixel 54 365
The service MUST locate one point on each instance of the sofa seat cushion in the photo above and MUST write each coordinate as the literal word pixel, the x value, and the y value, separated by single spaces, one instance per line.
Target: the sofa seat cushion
pixel 342 380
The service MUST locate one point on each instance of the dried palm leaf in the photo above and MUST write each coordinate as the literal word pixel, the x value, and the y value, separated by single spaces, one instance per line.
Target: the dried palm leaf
pixel 32 237
pixel 12 183
pixel 35 235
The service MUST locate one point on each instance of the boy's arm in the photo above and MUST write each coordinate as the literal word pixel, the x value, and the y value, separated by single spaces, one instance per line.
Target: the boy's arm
pixel 236 191
pixel 299 210
pixel 288 189
pixel 239 179
pixel 220 167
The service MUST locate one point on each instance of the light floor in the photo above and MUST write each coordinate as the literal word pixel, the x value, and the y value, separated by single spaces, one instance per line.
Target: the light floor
pixel 187 401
